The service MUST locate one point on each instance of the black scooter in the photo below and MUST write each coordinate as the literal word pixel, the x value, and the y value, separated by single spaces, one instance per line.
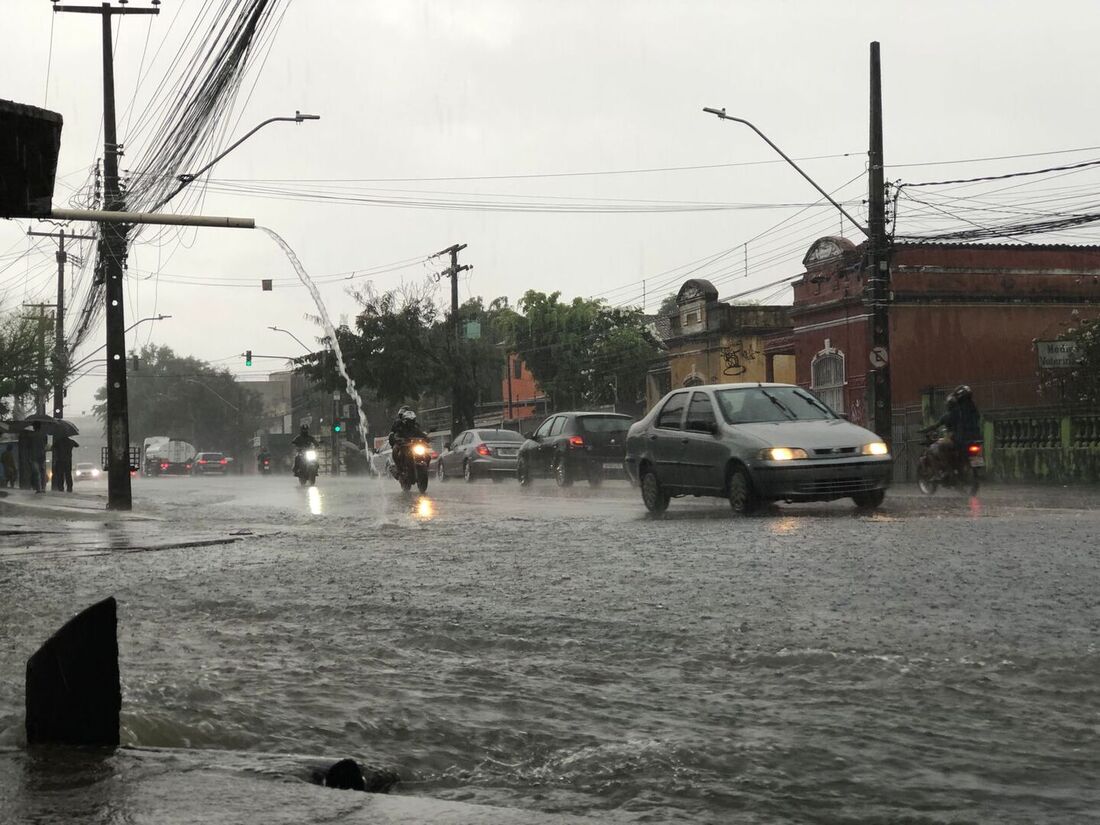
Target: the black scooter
pixel 410 463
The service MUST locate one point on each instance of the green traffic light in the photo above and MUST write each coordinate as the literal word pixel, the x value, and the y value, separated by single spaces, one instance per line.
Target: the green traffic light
pixel 337 428
pixel 248 358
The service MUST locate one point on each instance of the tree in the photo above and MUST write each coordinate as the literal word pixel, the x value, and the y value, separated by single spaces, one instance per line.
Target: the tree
pixel 1082 381
pixel 584 352
pixel 668 306
pixel 21 346
pixel 188 399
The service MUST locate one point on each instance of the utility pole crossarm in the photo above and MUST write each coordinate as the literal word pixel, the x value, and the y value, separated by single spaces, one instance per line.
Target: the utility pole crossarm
pixel 721 113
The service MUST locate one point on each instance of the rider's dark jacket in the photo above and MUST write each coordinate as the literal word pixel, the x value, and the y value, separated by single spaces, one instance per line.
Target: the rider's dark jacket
pixel 403 430
pixel 962 421
pixel 303 440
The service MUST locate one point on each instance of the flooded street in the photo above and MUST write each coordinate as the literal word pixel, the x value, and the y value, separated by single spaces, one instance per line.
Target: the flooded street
pixel 559 652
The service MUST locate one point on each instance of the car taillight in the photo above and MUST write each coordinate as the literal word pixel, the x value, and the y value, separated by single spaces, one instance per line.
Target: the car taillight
pixel 483 449
pixel 202 461
pixel 164 465
pixel 576 441
pixel 224 461
pixel 974 449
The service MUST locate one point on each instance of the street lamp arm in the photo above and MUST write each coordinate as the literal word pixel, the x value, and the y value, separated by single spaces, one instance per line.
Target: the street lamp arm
pixel 292 335
pixel 721 113
pixel 187 179
pixel 84 360
pixel 201 384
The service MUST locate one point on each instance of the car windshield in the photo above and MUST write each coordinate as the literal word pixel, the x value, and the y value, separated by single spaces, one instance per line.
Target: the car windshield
pixel 749 405
pixel 499 435
pixel 212 456
pixel 604 424
pixel 85 466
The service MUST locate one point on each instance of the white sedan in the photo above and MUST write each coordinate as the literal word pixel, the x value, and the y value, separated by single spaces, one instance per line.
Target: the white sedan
pixel 86 471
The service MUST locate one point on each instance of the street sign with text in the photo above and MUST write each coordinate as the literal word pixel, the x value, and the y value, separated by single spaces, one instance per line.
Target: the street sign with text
pixel 1055 355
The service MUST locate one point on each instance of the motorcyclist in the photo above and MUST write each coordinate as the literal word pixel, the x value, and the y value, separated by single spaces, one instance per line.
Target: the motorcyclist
pixel 405 427
pixel 302 442
pixel 962 424
pixel 262 457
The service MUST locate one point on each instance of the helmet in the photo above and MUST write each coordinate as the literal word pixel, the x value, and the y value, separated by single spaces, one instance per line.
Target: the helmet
pixel 304 428
pixel 961 391
pixel 408 415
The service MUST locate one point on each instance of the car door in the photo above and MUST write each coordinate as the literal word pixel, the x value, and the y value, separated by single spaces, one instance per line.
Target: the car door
pixel 667 441
pixel 551 446
pixel 704 458
pixel 458 453
pixel 534 454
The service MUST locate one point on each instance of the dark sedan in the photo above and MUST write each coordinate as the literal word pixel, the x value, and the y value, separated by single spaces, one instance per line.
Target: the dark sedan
pixel 572 446
pixel 753 443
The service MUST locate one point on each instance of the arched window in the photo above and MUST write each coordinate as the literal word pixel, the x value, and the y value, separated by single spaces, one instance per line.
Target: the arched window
pixel 694 380
pixel 827 377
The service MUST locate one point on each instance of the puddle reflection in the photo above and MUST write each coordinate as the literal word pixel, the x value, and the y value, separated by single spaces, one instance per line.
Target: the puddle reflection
pixel 424 509
pixel 315 501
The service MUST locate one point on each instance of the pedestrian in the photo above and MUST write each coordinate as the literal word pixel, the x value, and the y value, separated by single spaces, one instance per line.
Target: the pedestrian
pixel 38 457
pixel 63 463
pixel 7 463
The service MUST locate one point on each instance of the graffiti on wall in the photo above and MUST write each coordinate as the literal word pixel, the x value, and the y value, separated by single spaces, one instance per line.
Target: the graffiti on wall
pixel 735 357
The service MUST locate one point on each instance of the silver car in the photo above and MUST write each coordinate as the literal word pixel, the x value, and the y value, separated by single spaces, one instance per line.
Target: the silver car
pixel 753 443
pixel 481 453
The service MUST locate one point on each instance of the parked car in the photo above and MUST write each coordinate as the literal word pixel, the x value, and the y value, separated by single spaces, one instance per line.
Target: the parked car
pixel 480 454
pixel 753 443
pixel 86 471
pixel 573 446
pixel 209 464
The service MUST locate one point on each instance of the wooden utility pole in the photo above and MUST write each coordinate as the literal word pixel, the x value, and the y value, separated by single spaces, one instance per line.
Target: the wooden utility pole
pixel 60 352
pixel 452 272
pixel 878 265
pixel 112 253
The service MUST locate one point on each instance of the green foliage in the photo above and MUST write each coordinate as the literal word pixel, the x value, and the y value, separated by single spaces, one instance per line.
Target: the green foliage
pixel 583 353
pixel 1082 382
pixel 20 343
pixel 186 398
pixel 668 306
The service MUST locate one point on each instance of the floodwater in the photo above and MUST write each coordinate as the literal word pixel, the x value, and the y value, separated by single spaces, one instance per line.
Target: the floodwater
pixel 557 652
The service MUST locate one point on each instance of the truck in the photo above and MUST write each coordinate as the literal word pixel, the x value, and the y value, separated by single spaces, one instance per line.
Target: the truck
pixel 162 455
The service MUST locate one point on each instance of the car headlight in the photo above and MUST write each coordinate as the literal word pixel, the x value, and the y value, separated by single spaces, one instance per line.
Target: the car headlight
pixel 875 448
pixel 782 453
pixel 419 450
pixel 311 455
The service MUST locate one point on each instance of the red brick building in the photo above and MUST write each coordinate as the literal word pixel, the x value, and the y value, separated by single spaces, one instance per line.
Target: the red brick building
pixel 957 314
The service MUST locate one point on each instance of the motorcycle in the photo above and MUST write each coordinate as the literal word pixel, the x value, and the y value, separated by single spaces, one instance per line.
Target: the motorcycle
pixel 264 466
pixel 964 472
pixel 410 463
pixel 306 467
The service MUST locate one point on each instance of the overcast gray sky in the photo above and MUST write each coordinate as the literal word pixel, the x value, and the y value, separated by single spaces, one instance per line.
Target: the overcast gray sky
pixel 435 89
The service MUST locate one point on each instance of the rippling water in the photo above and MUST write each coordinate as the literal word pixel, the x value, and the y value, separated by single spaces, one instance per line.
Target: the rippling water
pixel 569 656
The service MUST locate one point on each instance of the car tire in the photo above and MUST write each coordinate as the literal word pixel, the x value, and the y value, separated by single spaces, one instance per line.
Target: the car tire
pixel 740 492
pixel 523 473
pixel 440 473
pixel 561 473
pixel 468 472
pixel 869 500
pixel 654 496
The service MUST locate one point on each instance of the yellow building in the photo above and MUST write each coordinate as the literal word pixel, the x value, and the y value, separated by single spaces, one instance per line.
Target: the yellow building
pixel 712 342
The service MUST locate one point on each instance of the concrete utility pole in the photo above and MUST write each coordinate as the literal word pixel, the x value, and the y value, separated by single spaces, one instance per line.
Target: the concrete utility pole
pixel 878 264
pixel 40 380
pixel 60 352
pixel 452 272
pixel 112 252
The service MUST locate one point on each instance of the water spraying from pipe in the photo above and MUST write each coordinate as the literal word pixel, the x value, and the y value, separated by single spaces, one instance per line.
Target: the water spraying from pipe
pixel 330 330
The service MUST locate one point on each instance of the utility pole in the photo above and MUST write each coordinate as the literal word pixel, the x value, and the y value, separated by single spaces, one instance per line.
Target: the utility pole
pixel 452 272
pixel 60 352
pixel 878 265
pixel 112 252
pixel 40 380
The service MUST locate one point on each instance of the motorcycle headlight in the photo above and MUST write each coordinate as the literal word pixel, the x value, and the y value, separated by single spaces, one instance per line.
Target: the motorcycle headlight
pixel 875 448
pixel 782 453
pixel 419 450
pixel 311 455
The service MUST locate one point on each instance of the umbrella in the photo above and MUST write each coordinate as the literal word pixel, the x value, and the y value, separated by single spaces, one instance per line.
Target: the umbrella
pixel 53 426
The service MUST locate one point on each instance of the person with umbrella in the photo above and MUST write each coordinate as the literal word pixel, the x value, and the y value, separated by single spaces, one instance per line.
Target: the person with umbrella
pixel 38 457
pixel 63 462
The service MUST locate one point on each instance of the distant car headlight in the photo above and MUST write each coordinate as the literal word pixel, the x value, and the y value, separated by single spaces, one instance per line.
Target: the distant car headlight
pixel 875 448
pixel 782 453
pixel 95 473
pixel 311 455
pixel 419 450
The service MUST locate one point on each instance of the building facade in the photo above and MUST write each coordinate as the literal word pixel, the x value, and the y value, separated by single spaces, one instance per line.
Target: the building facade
pixel 709 341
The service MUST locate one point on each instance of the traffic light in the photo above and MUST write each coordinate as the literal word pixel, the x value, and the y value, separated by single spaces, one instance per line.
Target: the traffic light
pixel 338 426
pixel 248 358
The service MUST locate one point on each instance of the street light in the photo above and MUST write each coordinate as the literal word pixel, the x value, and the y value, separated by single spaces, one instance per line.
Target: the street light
pixel 292 335
pixel 84 360
pixel 185 179
pixel 721 113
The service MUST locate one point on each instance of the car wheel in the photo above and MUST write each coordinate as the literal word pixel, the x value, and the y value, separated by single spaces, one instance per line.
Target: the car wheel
pixel 523 473
pixel 653 494
pixel 561 474
pixel 870 500
pixel 742 497
pixel 467 472
pixel 440 473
